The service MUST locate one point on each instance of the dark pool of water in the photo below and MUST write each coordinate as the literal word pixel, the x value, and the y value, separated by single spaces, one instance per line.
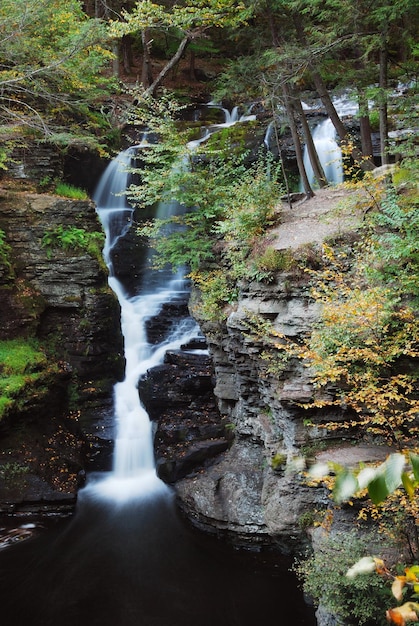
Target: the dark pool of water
pixel 138 564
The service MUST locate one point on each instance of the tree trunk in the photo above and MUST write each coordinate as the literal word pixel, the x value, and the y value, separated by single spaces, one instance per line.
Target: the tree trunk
pixel 291 119
pixel 146 72
pixel 126 53
pixel 311 148
pixel 115 62
pixel 365 164
pixel 296 141
pixel 364 123
pixel 192 74
pixel 173 61
pixel 383 100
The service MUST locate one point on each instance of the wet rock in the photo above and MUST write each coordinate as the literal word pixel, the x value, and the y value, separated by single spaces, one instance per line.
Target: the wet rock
pixel 178 396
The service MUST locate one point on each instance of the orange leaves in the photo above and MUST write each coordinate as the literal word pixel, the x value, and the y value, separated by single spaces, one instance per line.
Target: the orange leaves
pixel 410 578
pixel 402 614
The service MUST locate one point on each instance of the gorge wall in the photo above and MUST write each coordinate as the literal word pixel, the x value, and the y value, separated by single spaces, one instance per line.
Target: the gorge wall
pixel 61 298
pixel 254 492
pixel 251 492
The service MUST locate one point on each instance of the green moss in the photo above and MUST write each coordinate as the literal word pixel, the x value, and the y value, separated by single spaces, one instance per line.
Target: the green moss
pixel 24 366
pixel 5 254
pixel 278 461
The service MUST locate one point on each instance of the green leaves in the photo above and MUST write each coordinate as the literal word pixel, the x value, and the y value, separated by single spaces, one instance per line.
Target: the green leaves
pixel 200 14
pixel 52 57
pixel 73 238
pixel 380 481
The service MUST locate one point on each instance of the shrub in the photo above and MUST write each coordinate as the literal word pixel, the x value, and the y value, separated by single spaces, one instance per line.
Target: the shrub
pixel 73 238
pixel 358 601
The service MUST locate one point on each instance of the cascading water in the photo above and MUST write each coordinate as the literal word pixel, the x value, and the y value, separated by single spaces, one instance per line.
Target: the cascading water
pixel 330 154
pixel 133 471
pixel 324 138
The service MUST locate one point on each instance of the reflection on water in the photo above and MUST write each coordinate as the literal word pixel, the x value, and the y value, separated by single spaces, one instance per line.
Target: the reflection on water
pixel 137 564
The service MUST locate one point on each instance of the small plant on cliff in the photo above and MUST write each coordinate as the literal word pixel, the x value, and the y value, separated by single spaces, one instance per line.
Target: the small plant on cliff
pixel 23 366
pixel 5 251
pixel 13 474
pixel 392 487
pixel 73 238
pixel 358 600
pixel 70 191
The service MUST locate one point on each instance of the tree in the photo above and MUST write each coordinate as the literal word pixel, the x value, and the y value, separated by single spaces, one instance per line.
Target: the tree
pixel 189 20
pixel 331 43
pixel 226 204
pixel 51 59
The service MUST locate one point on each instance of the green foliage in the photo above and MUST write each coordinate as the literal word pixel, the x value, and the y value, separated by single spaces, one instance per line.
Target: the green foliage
pixel 265 266
pixel 73 238
pixel 13 472
pixel 392 487
pixel 52 61
pixel 369 326
pixel 226 207
pixel 70 191
pixel 201 14
pixel 358 601
pixel 364 348
pixel 23 365
pixel 394 253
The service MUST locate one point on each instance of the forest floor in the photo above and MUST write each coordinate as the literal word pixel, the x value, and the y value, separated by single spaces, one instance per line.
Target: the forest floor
pixel 332 212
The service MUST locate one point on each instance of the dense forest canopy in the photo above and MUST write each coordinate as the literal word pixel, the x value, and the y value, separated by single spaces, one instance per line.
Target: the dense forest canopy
pixel 60 60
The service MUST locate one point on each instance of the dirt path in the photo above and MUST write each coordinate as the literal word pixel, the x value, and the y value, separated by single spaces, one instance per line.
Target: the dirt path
pixel 327 214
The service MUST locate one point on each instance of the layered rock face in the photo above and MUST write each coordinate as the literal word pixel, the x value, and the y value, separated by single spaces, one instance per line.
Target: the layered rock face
pixel 61 297
pixel 189 430
pixel 249 493
pixel 59 294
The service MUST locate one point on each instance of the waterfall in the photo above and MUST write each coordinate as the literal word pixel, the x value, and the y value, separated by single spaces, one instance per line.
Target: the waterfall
pixel 133 474
pixel 330 154
pixel 324 137
pixel 231 117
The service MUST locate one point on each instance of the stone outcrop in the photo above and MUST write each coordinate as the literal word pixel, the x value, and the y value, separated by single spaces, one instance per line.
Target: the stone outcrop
pixel 61 297
pixel 178 396
pixel 57 293
pixel 250 493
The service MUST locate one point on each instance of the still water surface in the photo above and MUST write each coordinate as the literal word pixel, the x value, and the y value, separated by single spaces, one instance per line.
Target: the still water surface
pixel 139 564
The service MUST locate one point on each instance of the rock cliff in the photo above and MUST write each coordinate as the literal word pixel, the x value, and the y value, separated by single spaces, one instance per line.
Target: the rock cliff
pixel 253 493
pixel 248 493
pixel 61 297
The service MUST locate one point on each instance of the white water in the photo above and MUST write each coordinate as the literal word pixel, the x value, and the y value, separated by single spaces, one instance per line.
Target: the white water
pixel 324 137
pixel 330 154
pixel 133 474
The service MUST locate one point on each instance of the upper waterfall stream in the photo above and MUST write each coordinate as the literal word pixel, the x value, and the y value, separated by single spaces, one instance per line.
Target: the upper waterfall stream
pixel 133 472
